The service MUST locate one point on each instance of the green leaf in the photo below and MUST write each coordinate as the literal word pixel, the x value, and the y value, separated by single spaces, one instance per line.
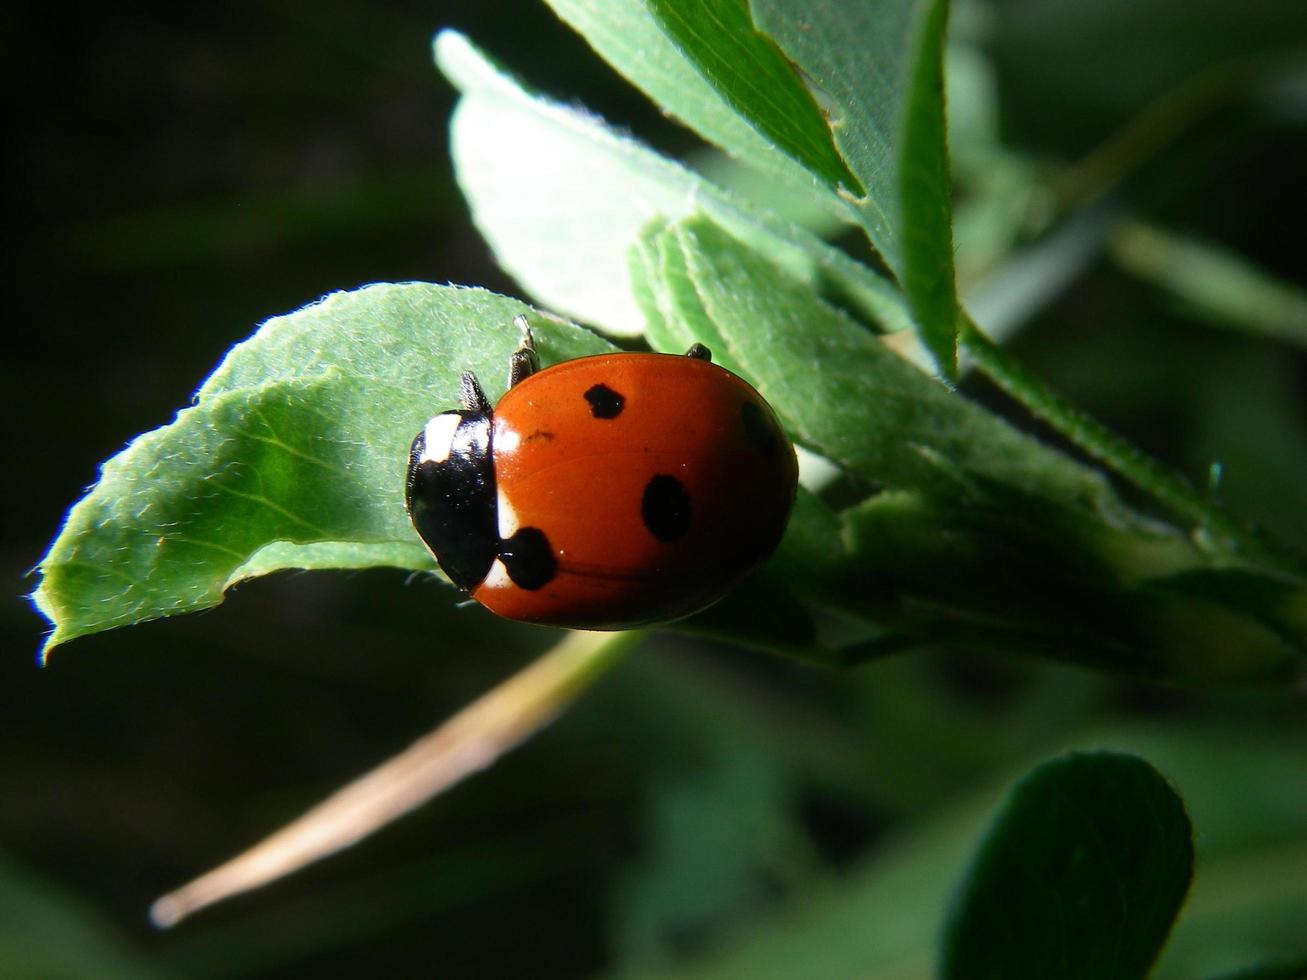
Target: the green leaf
pixel 982 536
pixel 45 932
pixel 720 839
pixel 763 614
pixel 880 918
pixel 1269 971
pixel 293 455
pixel 751 75
pixel 854 400
pixel 1219 286
pixel 888 95
pixel 1072 76
pixel 1081 876
pixel 1239 773
pixel 627 35
pixel 561 198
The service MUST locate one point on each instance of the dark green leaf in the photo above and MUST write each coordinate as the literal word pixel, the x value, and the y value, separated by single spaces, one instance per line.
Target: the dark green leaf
pixel 880 918
pixel 1241 782
pixel 996 571
pixel 1081 876
pixel 720 839
pixel 1269 971
pixel 763 614
pixel 293 456
pixel 1072 75
pixel 751 75
pixel 45 932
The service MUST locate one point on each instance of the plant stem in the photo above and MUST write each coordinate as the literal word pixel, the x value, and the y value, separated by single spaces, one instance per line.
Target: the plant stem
pixel 468 742
pixel 1159 125
pixel 1175 493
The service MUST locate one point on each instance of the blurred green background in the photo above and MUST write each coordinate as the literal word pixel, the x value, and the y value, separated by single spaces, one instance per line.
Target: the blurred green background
pixel 178 175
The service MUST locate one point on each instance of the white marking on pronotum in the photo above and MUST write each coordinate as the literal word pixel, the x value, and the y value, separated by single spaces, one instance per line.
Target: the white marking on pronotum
pixel 438 440
pixel 497 577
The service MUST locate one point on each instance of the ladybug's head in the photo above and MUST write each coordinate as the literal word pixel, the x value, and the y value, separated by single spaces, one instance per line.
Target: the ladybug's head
pixel 450 494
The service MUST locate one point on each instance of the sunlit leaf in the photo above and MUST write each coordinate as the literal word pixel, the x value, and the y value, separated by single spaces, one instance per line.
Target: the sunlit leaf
pixel 561 197
pixel 746 70
pixel 627 35
pixel 842 390
pixel 293 456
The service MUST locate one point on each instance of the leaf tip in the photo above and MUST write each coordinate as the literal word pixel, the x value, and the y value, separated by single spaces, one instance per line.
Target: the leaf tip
pixel 453 53
pixel 943 346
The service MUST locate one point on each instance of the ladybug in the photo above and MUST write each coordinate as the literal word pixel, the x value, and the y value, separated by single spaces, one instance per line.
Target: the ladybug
pixel 605 492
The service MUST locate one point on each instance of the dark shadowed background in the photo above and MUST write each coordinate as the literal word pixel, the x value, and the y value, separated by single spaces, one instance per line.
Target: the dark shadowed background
pixel 177 175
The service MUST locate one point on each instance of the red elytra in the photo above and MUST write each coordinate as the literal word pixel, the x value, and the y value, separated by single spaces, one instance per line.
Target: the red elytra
pixel 628 489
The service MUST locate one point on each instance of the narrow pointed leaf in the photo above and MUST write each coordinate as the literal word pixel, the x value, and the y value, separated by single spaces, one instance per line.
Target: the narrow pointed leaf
pixel 881 63
pixel 628 35
pixel 747 70
pixel 1220 286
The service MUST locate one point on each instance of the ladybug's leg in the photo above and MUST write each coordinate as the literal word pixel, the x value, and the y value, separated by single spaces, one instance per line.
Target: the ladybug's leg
pixel 699 352
pixel 470 395
pixel 522 363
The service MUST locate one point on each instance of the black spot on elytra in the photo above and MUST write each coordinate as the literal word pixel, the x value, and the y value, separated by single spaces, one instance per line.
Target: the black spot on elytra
pixel 529 558
pixel 604 402
pixel 758 429
pixel 665 508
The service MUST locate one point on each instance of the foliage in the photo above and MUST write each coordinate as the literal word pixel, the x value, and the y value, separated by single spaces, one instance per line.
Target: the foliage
pixel 834 286
pixel 1090 861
